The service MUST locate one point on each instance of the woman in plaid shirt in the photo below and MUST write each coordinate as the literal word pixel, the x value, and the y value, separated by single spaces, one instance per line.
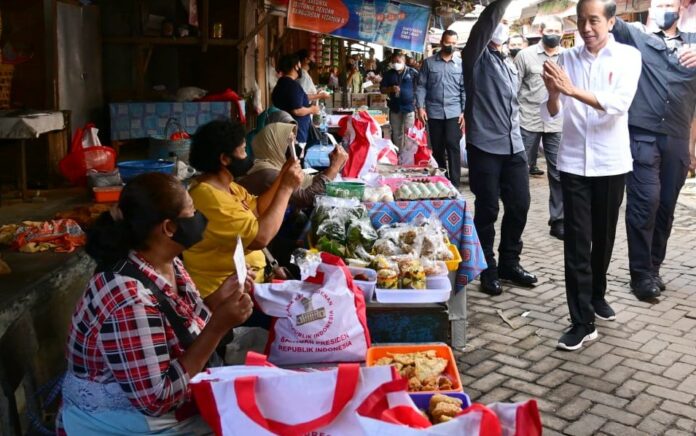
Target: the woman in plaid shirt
pixel 128 371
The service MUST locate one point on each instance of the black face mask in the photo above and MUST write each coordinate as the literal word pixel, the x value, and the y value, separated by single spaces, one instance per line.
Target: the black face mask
pixel 448 49
pixel 189 230
pixel 514 51
pixel 551 41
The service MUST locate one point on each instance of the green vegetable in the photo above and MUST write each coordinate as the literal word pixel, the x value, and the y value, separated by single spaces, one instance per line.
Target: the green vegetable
pixel 330 246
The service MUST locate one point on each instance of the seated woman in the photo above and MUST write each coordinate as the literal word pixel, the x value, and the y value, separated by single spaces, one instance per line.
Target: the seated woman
pixel 231 211
pixel 140 330
pixel 270 148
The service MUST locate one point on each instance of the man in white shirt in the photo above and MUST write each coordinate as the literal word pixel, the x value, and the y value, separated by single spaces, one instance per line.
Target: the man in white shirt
pixel 592 88
pixel 305 80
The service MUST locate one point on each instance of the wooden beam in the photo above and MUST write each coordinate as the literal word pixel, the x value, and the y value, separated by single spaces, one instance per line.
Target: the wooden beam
pixel 266 18
pixel 281 40
pixel 204 22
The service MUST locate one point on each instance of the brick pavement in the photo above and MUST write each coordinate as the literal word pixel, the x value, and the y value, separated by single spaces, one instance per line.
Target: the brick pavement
pixel 638 378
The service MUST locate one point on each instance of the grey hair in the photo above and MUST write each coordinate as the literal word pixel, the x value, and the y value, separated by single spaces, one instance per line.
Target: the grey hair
pixel 546 20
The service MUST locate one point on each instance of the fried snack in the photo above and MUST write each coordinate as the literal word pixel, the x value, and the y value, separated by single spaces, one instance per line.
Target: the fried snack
pixel 445 409
pixel 444 383
pixel 444 418
pixel 412 274
pixel 406 359
pixel 414 385
pixel 423 370
pixel 427 367
pixel 439 398
pixel 387 279
pixel 384 361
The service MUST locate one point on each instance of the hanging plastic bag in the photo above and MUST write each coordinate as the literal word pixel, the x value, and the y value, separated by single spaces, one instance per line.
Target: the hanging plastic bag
pixel 86 153
pixel 361 132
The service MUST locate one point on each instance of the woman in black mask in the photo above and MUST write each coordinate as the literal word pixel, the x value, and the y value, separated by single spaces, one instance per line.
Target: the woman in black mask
pixel 231 211
pixel 141 330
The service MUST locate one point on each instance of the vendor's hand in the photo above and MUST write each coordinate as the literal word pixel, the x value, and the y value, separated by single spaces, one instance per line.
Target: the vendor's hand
pixel 687 58
pixel 338 157
pixel 461 122
pixel 422 115
pixel 557 78
pixel 235 308
pixel 293 176
pixel 323 94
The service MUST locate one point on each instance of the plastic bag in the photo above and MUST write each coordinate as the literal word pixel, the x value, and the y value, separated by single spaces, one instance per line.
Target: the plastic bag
pixel 62 236
pixel 462 152
pixel 86 153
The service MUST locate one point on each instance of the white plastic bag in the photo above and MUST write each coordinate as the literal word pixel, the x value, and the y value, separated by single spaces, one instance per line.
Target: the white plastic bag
pixel 462 152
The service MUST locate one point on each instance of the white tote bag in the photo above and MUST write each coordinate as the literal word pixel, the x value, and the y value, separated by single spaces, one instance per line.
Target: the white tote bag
pixel 318 320
pixel 253 400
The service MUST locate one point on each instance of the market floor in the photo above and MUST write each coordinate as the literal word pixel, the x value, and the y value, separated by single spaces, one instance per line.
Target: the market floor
pixel 638 378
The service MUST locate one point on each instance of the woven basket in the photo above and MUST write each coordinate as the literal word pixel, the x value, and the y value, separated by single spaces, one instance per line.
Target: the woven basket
pixel 6 73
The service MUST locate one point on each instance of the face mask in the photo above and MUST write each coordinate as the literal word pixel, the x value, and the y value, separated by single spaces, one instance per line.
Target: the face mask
pixel 514 51
pixel 448 49
pixel 501 34
pixel 189 230
pixel 399 66
pixel 551 41
pixel 664 19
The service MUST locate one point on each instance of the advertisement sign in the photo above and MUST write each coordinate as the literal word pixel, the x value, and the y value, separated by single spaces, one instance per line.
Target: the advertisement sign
pixel 385 22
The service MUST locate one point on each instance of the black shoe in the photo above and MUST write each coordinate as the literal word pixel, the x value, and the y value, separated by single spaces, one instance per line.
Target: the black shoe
pixel 490 284
pixel 658 282
pixel 645 289
pixel 535 171
pixel 576 336
pixel 557 230
pixel 603 311
pixel 517 275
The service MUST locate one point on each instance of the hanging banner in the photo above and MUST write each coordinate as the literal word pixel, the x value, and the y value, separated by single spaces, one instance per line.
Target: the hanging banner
pixel 385 22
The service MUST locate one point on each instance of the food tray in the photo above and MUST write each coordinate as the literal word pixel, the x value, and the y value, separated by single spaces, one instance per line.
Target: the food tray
pixel 109 194
pixel 438 290
pixel 377 352
pixel 368 287
pixel 422 400
pixel 395 182
pixel 453 265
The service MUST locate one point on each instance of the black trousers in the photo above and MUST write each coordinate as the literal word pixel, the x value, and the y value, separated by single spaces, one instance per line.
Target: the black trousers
pixel 444 140
pixel 494 177
pixel 660 167
pixel 591 206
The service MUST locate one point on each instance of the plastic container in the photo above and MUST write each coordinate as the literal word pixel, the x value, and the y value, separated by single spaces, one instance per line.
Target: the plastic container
pixel 412 296
pixel 367 286
pixel 441 350
pixel 109 194
pixel 422 400
pixel 132 168
pixel 453 265
pixel 345 189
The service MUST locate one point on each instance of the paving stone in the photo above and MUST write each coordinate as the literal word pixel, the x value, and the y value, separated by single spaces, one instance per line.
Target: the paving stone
pixel 545 365
pixel 553 422
pixel 675 432
pixel 651 426
pixel 603 398
pixel 555 378
pixel 512 361
pixel 518 373
pixel 680 409
pixel 619 374
pixel 670 394
pixel 686 424
pixel 573 409
pixel 655 379
pixel 564 392
pixel 643 404
pixel 488 382
pixel 593 383
pixel 529 388
pixel 585 426
pixel 477 356
pixel 689 385
pixel 482 369
pixel 615 414
pixel 614 428
pixel 607 362
pixel 631 389
pixel 582 369
pixel 499 394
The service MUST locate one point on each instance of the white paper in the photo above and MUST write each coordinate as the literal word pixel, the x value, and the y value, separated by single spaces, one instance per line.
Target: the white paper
pixel 240 262
pixel 293 152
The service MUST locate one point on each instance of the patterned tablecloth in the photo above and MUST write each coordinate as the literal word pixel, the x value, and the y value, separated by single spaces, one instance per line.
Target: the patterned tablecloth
pixel 454 217
pixel 144 119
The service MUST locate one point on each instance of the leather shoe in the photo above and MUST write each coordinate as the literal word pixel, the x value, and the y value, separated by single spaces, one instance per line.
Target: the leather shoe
pixel 490 285
pixel 645 289
pixel 535 171
pixel 658 282
pixel 557 230
pixel 517 275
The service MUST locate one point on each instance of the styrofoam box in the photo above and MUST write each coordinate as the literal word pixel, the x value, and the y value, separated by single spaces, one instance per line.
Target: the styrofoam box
pixel 438 290
pixel 368 287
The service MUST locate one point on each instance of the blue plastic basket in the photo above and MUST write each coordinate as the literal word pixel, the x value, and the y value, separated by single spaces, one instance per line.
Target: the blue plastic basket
pixel 131 168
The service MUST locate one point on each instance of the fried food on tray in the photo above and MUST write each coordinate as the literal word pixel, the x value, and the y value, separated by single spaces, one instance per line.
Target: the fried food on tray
pixel 439 398
pixel 443 408
pixel 423 370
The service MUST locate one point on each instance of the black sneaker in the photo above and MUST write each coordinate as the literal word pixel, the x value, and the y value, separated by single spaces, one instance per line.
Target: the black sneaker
pixel 535 171
pixel 603 311
pixel 576 336
pixel 658 282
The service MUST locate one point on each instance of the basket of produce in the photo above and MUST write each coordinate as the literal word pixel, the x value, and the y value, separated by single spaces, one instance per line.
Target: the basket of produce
pixel 132 168
pixel 429 368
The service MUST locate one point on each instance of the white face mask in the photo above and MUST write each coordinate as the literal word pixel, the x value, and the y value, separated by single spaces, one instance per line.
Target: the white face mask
pixel 398 66
pixel 500 34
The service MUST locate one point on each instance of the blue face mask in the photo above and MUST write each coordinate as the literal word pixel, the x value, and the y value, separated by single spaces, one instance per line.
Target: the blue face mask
pixel 664 19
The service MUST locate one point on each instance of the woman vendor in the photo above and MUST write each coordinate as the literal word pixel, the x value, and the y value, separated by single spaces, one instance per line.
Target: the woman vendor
pixel 141 330
pixel 231 211
pixel 270 148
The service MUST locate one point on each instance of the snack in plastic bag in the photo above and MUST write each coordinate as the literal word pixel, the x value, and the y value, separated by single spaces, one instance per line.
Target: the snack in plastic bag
pixel 412 274
pixel 387 279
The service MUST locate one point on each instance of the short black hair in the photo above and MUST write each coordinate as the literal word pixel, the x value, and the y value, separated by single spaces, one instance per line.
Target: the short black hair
pixel 447 33
pixel 609 7
pixel 302 54
pixel 287 63
pixel 398 54
pixel 213 139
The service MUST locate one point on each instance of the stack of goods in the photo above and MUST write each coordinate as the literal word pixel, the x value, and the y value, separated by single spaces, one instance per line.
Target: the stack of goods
pixel 425 191
pixel 343 228
pixel 381 193
pixel 427 241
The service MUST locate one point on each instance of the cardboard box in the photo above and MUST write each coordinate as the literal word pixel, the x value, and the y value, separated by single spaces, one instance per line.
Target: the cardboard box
pixel 357 100
pixel 378 100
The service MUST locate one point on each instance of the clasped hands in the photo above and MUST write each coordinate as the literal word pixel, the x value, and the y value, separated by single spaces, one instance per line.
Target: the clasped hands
pixel 556 80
